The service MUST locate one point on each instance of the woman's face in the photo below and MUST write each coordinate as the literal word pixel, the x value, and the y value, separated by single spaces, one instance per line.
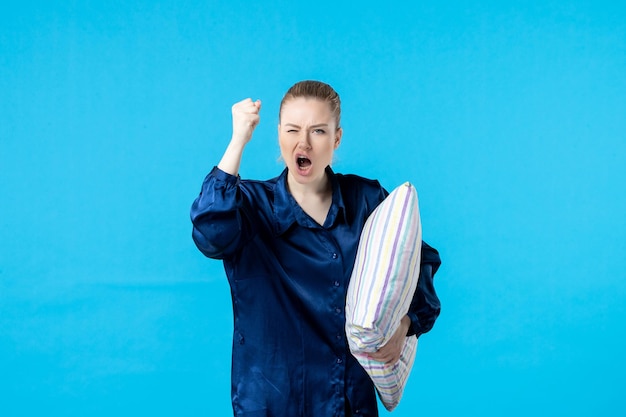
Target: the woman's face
pixel 308 136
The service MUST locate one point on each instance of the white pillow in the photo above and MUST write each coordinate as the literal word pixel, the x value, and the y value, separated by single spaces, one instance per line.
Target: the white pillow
pixel 381 288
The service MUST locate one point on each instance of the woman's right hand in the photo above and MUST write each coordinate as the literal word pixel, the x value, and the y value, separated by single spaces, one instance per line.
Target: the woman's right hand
pixel 245 120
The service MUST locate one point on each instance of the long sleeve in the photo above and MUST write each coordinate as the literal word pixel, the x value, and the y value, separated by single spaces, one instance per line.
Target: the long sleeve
pixel 425 307
pixel 218 215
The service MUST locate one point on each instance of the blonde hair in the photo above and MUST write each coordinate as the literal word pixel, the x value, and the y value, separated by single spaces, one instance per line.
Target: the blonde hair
pixel 317 90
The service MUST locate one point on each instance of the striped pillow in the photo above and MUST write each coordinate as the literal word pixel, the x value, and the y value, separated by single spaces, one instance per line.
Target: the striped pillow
pixel 381 288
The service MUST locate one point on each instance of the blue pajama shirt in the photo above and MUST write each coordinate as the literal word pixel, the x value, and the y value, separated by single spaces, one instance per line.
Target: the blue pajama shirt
pixel 288 277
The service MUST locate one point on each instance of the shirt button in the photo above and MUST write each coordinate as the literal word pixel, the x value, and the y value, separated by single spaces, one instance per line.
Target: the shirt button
pixel 336 283
pixel 335 256
pixel 339 360
pixel 338 336
pixel 337 310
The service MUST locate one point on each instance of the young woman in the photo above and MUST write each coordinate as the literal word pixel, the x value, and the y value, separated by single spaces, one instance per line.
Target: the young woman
pixel 288 245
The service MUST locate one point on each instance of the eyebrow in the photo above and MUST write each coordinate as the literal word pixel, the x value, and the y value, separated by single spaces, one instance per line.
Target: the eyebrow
pixel 313 126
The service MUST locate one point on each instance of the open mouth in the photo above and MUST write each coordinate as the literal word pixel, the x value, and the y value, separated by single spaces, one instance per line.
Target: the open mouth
pixel 303 162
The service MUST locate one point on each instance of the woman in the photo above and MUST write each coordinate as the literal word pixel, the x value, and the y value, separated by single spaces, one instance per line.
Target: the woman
pixel 288 246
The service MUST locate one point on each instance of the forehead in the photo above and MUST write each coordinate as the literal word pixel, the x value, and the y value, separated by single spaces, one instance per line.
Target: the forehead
pixel 303 110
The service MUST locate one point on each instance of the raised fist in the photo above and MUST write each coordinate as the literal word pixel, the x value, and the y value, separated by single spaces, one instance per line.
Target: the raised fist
pixel 245 119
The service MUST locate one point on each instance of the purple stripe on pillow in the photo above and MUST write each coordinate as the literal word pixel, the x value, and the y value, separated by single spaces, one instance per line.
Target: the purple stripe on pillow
pixel 365 254
pixel 370 224
pixel 399 232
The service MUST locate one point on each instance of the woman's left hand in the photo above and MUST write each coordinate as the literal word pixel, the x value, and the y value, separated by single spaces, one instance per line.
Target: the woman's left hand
pixel 390 352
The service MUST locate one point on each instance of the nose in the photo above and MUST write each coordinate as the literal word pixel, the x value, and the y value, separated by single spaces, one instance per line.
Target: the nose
pixel 304 142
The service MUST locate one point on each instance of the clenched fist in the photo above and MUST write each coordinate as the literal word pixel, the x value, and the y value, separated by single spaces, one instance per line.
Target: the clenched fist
pixel 245 119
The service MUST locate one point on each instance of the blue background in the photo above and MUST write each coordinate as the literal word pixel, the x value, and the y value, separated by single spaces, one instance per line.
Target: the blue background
pixel 510 118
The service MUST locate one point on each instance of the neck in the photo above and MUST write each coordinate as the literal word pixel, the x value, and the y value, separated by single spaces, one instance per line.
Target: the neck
pixel 314 198
pixel 321 188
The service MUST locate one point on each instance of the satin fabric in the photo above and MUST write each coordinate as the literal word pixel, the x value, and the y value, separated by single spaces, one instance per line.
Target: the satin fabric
pixel 288 277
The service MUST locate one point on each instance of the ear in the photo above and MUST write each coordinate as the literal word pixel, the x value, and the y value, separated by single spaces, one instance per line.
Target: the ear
pixel 338 135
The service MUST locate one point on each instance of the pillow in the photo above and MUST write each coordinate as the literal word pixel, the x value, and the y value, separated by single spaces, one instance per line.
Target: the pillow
pixel 381 288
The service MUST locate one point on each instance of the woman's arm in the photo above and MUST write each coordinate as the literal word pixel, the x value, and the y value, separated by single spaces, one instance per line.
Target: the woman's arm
pixel 245 120
pixel 425 307
pixel 217 213
pixel 423 311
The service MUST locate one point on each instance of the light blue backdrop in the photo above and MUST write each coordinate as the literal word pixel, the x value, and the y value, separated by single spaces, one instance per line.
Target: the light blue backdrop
pixel 510 118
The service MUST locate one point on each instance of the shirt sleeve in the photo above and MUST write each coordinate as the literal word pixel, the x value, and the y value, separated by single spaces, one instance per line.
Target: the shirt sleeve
pixel 425 307
pixel 218 215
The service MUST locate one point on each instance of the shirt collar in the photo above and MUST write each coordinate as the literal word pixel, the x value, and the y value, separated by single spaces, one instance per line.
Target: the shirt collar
pixel 287 211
